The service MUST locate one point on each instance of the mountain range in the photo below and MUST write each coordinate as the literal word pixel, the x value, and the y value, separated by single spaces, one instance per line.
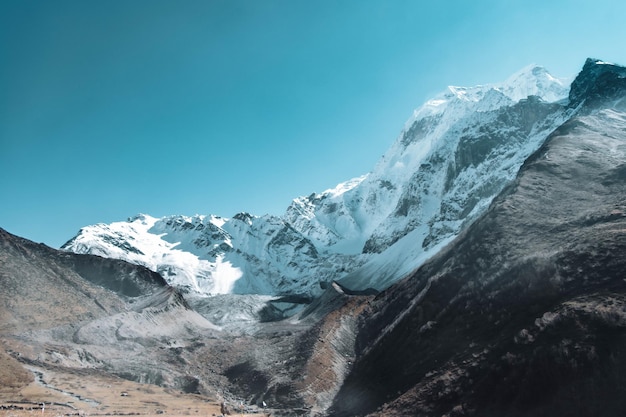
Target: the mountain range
pixel 476 271
pixel 455 154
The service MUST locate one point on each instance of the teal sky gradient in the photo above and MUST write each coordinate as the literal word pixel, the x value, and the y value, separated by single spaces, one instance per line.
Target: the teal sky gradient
pixel 111 108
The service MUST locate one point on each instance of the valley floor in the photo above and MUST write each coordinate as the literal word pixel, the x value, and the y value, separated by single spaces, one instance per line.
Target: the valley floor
pixel 93 393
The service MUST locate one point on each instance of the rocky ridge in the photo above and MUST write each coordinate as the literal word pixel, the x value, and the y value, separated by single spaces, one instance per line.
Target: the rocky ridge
pixel 454 156
pixel 523 315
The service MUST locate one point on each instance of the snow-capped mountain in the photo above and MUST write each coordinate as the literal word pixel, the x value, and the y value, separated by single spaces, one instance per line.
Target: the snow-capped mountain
pixel 208 255
pixel 525 311
pixel 455 154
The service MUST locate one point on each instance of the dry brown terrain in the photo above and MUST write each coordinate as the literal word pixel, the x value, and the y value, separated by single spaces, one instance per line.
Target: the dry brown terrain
pixel 24 388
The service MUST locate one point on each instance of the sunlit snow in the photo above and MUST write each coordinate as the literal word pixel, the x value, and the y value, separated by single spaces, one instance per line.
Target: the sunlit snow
pixel 368 231
pixel 225 276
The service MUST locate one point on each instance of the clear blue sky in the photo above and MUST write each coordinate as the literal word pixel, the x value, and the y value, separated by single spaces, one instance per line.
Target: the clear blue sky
pixel 111 108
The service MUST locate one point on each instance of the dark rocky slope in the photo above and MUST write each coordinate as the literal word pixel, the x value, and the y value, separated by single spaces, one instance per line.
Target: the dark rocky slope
pixel 525 313
pixel 43 287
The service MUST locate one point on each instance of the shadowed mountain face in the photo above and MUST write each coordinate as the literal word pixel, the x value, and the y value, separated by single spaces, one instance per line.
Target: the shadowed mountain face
pixel 525 313
pixel 42 287
pixel 84 311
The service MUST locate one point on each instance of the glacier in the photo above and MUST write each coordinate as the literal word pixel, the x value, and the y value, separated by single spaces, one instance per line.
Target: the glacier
pixel 453 156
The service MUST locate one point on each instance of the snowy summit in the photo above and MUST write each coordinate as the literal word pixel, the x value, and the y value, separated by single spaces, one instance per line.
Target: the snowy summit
pixel 454 155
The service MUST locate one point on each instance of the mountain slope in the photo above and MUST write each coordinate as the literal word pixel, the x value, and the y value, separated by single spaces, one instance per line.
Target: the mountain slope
pixel 92 325
pixel 454 155
pixel 39 291
pixel 523 315
pixel 82 311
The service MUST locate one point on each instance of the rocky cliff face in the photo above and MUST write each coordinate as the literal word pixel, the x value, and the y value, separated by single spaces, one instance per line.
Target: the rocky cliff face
pixel 523 315
pixel 455 154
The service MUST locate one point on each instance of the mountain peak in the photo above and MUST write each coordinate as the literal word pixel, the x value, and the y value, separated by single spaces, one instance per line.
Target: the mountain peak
pixel 535 80
pixel 597 80
pixel 590 62
pixel 424 191
pixel 532 80
pixel 533 69
pixel 142 218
